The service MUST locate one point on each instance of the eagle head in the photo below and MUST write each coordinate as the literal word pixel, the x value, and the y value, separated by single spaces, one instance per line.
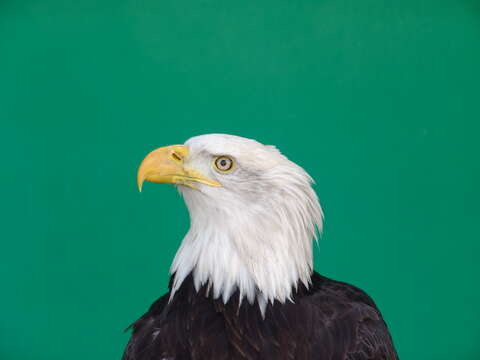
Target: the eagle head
pixel 253 216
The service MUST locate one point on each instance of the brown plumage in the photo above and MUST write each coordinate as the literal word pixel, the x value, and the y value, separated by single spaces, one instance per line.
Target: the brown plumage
pixel 329 321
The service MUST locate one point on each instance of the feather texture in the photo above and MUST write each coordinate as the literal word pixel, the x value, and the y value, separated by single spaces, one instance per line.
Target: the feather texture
pixel 255 232
pixel 329 321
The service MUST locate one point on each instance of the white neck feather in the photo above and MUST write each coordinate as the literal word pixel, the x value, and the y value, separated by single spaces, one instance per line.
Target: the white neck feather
pixel 257 242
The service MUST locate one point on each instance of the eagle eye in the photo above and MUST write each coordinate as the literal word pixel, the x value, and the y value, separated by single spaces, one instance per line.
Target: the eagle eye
pixel 223 163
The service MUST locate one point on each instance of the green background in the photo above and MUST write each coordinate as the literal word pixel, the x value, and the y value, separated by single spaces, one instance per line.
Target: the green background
pixel 377 100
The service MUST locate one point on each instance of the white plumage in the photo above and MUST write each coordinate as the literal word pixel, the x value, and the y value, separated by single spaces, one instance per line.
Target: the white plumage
pixel 254 233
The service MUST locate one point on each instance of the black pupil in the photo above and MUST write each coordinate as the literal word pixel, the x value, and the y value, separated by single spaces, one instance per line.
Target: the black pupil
pixel 223 163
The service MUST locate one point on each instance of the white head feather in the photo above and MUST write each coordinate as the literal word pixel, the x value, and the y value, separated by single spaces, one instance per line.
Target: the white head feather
pixel 255 232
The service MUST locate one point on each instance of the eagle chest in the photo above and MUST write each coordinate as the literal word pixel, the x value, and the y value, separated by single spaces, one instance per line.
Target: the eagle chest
pixel 209 329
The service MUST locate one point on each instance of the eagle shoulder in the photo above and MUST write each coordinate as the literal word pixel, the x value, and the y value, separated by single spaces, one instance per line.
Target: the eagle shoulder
pixel 350 319
pixel 143 330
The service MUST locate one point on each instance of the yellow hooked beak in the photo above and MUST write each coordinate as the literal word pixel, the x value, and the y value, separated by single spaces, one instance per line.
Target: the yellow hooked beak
pixel 165 165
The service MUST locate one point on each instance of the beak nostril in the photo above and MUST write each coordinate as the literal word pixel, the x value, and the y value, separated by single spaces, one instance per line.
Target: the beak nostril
pixel 176 156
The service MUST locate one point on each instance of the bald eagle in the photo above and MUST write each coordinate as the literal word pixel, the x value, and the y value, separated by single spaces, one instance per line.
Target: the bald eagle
pixel 242 283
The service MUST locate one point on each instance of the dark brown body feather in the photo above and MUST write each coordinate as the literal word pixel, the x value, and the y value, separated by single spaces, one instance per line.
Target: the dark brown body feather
pixel 329 321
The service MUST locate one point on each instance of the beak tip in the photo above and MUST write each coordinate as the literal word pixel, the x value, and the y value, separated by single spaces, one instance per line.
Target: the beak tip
pixel 140 184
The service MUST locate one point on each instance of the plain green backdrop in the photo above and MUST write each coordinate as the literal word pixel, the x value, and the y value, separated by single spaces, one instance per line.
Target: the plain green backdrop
pixel 378 100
